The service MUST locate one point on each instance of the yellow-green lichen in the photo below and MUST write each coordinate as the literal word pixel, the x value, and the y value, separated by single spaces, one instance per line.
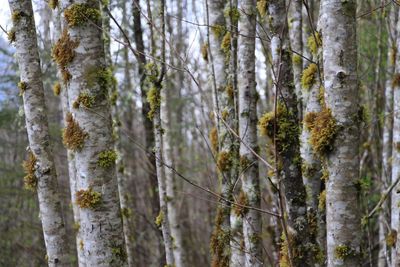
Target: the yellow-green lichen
pixel 322 201
pixel 107 158
pixel 154 99
pixel 159 219
pixel 29 166
pixel 284 253
pixel 100 76
pixel 114 97
pixel 323 130
pixel 230 91
pixel 11 35
pixel 297 59
pixel 81 245
pixel 233 14
pixel 226 44
pixel 391 238
pixel 214 139
pixel 73 134
pixel 126 212
pixel 57 89
pixel 119 252
pixel 244 162
pixel 314 42
pixel 224 161
pixel 220 240
pixel 88 199
pixel 218 30
pixel 53 4
pixel 76 226
pixel 308 76
pixel 63 53
pixel 79 14
pixel 343 251
pixel 262 7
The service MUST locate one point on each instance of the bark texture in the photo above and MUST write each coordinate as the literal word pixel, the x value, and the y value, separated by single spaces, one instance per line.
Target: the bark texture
pixel 102 240
pixel 341 97
pixel 248 132
pixel 42 171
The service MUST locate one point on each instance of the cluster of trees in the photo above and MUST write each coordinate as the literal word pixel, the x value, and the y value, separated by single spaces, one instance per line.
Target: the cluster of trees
pixel 300 166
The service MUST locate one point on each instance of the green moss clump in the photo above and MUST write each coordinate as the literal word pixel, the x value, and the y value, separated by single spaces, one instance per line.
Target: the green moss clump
pixel 11 36
pixel 308 76
pixel 29 166
pixel 63 53
pixel 323 130
pixel 224 161
pixel 53 4
pixel 287 128
pixel 343 251
pixel 88 199
pixel 226 44
pixel 107 158
pixel 396 80
pixel 220 241
pixel 233 14
pixel 103 77
pixel 76 226
pixel 224 114
pixel 241 200
pixel 314 42
pixel 16 16
pixel 159 219
pixel 57 89
pixel 391 238
pixel 262 7
pixel 296 59
pixel 114 97
pixel 214 139
pixel 80 14
pixel 73 134
pixel 119 253
pixel 230 91
pixel 322 201
pixel 204 52
pixel 218 30
pixel 284 252
pixel 22 87
pixel 308 171
pixel 154 99
pixel 84 99
pixel 126 212
pixel 244 162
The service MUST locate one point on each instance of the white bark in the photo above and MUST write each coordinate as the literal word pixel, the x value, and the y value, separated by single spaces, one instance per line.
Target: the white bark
pixel 101 229
pixel 38 133
pixel 248 131
pixel 338 20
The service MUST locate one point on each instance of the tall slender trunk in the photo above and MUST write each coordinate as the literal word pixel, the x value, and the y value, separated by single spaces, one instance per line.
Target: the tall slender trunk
pixel 341 123
pixel 283 126
pixel 386 176
pixel 80 54
pixel 248 132
pixel 40 170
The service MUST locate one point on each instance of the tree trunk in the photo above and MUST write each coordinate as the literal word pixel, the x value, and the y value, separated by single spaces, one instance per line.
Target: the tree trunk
pixel 286 137
pixel 40 170
pixel 80 54
pixel 248 132
pixel 342 98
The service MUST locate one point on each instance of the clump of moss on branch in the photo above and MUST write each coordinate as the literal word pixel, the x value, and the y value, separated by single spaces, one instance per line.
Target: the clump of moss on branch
pixel 214 139
pixel 233 14
pixel 159 219
pixel 100 76
pixel 218 30
pixel 343 251
pixel 224 161
pixel 322 200
pixel 53 4
pixel 80 14
pixel 262 7
pixel 308 76
pixel 88 199
pixel 22 87
pixel 16 16
pixel 84 99
pixel 63 53
pixel 323 130
pixel 242 200
pixel 107 158
pixel 220 240
pixel 226 44
pixel 73 134
pixel 11 35
pixel 314 42
pixel 29 166
pixel 57 89
pixel 154 99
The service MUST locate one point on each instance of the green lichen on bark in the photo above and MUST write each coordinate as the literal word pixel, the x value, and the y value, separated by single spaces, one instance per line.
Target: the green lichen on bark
pixel 11 35
pixel 224 161
pixel 297 59
pixel 107 158
pixel 53 4
pixel 233 14
pixel 80 14
pixel 57 89
pixel 214 139
pixel 220 241
pixel 314 42
pixel 159 219
pixel 88 199
pixel 391 238
pixel 84 99
pixel 396 80
pixel 16 16
pixel 322 201
pixel 262 7
pixel 308 76
pixel 22 87
pixel 100 76
pixel 154 99
pixel 218 30
pixel 242 200
pixel 29 166
pixel 226 44
pixel 343 251
pixel 119 252
pixel 323 130
pixel 73 134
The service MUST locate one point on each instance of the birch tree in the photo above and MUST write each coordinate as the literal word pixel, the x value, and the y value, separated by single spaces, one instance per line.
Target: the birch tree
pixel 341 131
pixel 248 132
pixel 80 55
pixel 39 166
